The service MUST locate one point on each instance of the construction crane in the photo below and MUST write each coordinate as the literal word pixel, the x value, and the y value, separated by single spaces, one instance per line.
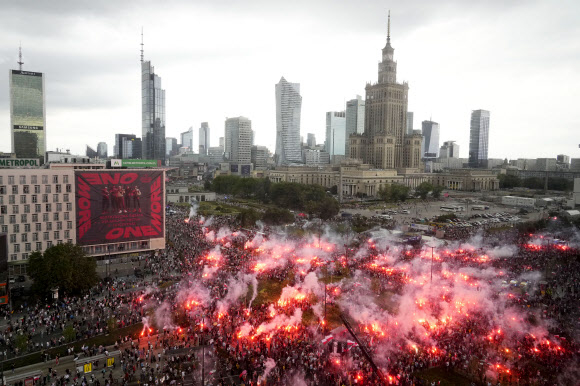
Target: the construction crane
pixel 366 354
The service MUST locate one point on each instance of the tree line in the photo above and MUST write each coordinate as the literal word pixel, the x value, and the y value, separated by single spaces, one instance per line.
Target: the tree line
pixel 507 181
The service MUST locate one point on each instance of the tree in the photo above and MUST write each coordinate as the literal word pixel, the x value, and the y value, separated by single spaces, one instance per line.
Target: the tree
pixel 398 192
pixel 69 333
pixel 328 208
pixel 65 266
pixel 248 217
pixel 437 191
pixel 508 181
pixel 423 189
pixel 277 216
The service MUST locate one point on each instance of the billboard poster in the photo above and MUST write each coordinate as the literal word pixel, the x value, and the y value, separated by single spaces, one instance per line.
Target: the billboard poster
pixel 119 206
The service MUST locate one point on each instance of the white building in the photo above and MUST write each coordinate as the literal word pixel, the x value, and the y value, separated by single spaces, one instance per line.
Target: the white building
pixel 316 157
pixel 335 143
pixel 288 110
pixel 430 132
pixel 238 140
pixel 449 150
pixel 187 139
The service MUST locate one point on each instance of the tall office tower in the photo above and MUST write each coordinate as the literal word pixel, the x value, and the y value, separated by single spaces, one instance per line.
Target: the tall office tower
pixel 478 138
pixel 259 156
pixel 153 112
pixel 102 150
pixel 430 131
pixel 288 107
pixel 383 142
pixel 238 140
pixel 221 142
pixel 27 112
pixel 355 119
pixel 311 140
pixel 335 143
pixel 449 150
pixel 91 153
pixel 409 123
pixel 203 138
pixel 170 146
pixel 187 139
pixel 121 147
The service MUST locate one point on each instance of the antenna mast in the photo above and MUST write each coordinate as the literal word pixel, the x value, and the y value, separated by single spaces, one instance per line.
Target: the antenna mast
pixel 142 44
pixel 20 62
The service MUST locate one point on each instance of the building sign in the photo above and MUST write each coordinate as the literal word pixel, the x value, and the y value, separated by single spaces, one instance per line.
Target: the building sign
pixel 135 163
pixel 18 162
pixel 27 127
pixel 119 206
pixel 29 73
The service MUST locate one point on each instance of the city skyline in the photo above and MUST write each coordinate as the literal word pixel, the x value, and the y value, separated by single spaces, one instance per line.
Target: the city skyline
pixel 92 82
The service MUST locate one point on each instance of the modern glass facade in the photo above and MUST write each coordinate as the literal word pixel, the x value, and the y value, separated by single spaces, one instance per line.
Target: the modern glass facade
pixel 478 138
pixel 203 138
pixel 430 131
pixel 335 133
pixel 27 114
pixel 153 114
pixel 288 109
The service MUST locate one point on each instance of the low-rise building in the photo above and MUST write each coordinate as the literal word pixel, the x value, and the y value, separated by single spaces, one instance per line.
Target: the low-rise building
pixel 518 201
pixel 177 194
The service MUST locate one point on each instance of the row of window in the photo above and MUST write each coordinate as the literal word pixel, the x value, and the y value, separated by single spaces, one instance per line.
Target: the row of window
pixel 26 189
pixel 34 198
pixel 45 217
pixel 38 227
pixel 37 208
pixel 28 248
pixel 35 236
pixel 34 179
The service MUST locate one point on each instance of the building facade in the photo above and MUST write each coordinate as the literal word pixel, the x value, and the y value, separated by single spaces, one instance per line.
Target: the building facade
pixel 187 139
pixel 316 157
pixel 27 114
pixel 335 143
pixel 203 138
pixel 259 156
pixel 410 117
pixel 238 140
pixel 102 150
pixel 478 138
pixel 430 132
pixel 288 110
pixel 449 150
pixel 121 146
pixel 355 119
pixel 153 113
pixel 171 147
pixel 311 140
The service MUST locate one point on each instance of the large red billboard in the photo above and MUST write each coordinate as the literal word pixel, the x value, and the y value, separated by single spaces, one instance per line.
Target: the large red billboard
pixel 119 206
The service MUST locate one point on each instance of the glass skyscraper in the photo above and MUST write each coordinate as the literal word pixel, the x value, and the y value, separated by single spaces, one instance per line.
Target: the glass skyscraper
pixel 153 113
pixel 478 138
pixel 288 108
pixel 27 114
pixel 203 138
pixel 430 131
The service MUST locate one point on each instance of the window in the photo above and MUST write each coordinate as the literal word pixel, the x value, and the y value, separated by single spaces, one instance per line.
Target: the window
pixel 55 179
pixel 16 247
pixel 15 209
pixel 16 228
pixel 23 199
pixel 22 180
pixel 59 225
pixel 1 219
pixel 3 189
pixel 69 225
pixel 26 189
pixel 4 228
pixel 26 208
pixel 33 179
pixel 67 234
pixel 58 188
pixel 35 237
pixel 45 236
pixel 56 235
pixel 3 209
pixel 45 198
pixel 48 207
pixel 12 239
pixel 68 206
pixel 13 257
pixel 65 179
pixel 37 208
pixel 10 180
pixel 65 197
pixel 38 227
pixel 45 217
pixel 14 189
pixel 69 188
pixel 24 219
pixel 55 198
pixel 55 216
pixel 24 237
pixel 48 244
pixel 59 207
pixel 48 226
pixel 45 179
pixel 36 189
pixel 66 215
pixel 47 189
pixel 27 248
pixel 35 217
pixel 39 246
pixel 1 200
pixel 12 199
pixel 27 227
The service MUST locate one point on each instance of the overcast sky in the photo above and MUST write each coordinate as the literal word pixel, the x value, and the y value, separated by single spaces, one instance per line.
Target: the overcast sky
pixel 222 58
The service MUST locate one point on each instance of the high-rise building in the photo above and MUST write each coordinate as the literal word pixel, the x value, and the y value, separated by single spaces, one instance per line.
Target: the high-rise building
pixel 91 153
pixel 27 113
pixel 238 140
pixel 259 156
pixel 121 146
pixel 203 138
pixel 384 143
pixel 355 119
pixel 410 122
pixel 478 138
pixel 335 143
pixel 187 139
pixel 311 140
pixel 153 113
pixel 102 150
pixel 288 108
pixel 430 131
pixel 222 142
pixel 171 146
pixel 449 150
